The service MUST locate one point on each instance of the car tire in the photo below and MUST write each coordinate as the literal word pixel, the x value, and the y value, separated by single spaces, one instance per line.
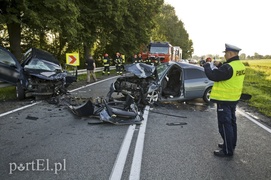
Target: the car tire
pixel 20 93
pixel 151 98
pixel 206 96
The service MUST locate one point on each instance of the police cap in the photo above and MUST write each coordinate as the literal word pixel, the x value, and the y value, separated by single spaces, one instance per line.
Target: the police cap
pixel 229 47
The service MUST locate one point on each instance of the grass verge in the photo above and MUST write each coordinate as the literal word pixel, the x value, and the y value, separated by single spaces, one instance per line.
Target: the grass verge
pixel 7 93
pixel 258 83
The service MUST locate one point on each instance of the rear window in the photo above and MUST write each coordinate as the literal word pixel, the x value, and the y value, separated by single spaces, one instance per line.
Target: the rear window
pixel 194 74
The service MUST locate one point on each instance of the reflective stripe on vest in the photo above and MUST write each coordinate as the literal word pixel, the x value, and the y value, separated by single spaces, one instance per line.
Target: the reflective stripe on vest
pixel 105 61
pixel 231 89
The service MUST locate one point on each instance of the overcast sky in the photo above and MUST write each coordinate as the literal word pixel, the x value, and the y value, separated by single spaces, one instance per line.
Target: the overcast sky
pixel 212 23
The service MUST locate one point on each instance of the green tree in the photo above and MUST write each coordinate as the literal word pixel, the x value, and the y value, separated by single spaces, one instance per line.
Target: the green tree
pixel 11 15
pixel 29 21
pixel 243 56
pixel 170 29
pixel 99 18
pixel 97 26
pixel 138 22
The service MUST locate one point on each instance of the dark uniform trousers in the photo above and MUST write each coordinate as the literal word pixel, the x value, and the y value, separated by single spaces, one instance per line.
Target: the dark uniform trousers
pixel 106 69
pixel 227 126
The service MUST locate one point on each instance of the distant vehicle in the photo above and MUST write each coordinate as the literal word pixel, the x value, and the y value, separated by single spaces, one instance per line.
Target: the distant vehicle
pixel 39 74
pixel 159 52
pixel 176 54
pixel 184 60
pixel 193 61
pixel 170 81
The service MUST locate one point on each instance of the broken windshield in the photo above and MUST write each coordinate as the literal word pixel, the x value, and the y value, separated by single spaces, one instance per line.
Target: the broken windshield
pixel 161 68
pixel 39 64
pixel 141 70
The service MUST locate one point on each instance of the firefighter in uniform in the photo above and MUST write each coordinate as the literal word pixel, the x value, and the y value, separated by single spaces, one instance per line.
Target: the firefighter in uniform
pixel 106 63
pixel 157 60
pixel 139 58
pixel 228 84
pixel 148 60
pixel 118 63
pixel 134 59
pixel 123 62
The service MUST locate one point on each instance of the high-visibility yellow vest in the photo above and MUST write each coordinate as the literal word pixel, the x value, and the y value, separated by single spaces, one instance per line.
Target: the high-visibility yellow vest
pixel 231 89
pixel 118 61
pixel 106 62
pixel 123 58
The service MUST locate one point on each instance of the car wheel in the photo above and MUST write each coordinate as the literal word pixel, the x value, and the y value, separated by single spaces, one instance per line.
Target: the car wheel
pixel 206 96
pixel 20 94
pixel 151 97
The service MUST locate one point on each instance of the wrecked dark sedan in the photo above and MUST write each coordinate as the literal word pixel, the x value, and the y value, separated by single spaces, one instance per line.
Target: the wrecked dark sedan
pixel 39 74
pixel 172 81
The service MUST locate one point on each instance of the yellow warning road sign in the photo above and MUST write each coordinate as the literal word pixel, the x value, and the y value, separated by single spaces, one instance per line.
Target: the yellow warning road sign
pixel 72 59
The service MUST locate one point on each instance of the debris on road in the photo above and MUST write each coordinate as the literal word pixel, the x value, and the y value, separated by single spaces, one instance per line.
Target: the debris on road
pixel 31 117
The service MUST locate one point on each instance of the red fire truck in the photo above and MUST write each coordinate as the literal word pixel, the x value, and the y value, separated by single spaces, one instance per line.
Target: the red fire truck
pixel 162 51
pixel 176 53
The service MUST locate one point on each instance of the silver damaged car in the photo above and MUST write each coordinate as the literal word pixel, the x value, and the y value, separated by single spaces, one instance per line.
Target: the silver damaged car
pixel 172 81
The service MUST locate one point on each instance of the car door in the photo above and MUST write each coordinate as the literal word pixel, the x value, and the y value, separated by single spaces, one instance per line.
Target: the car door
pixel 195 83
pixel 172 82
pixel 10 68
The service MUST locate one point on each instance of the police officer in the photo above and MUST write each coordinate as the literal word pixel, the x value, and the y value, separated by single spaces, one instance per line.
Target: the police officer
pixel 228 84
pixel 106 63
pixel 118 63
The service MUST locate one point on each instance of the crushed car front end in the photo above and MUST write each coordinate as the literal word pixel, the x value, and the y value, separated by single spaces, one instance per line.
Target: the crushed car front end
pixel 45 83
pixel 140 83
pixel 44 74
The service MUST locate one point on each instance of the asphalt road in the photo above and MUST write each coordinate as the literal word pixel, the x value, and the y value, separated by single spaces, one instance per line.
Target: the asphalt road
pixel 45 141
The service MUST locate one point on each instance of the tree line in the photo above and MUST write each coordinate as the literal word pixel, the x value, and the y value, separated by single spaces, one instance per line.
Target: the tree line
pixel 89 27
pixel 255 56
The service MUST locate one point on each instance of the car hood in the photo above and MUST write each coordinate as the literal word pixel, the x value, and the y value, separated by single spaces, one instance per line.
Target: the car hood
pixel 140 70
pixel 48 75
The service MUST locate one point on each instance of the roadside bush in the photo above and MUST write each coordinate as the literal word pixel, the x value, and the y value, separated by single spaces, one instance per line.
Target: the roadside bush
pixel 7 93
pixel 246 63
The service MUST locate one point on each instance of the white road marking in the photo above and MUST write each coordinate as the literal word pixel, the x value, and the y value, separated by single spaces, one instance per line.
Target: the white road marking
pixel 18 109
pixel 137 159
pixel 117 170
pixel 24 107
pixel 253 120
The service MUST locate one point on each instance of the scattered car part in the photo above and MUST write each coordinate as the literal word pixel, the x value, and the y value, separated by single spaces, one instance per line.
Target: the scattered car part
pixel 176 123
pixel 115 112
